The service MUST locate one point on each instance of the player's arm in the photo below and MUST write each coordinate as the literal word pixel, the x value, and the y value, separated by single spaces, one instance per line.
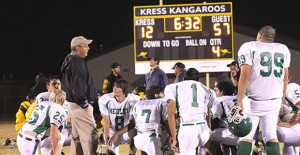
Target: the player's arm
pixel 106 128
pixel 285 83
pixel 172 123
pixel 55 137
pixel 290 124
pixel 128 127
pixel 164 115
pixel 243 83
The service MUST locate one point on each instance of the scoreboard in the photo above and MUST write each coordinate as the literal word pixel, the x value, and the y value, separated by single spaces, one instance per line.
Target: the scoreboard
pixel 198 35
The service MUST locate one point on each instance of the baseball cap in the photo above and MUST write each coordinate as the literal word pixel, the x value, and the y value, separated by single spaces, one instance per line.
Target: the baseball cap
pixel 115 64
pixel 179 64
pixel 153 58
pixel 80 40
pixel 234 63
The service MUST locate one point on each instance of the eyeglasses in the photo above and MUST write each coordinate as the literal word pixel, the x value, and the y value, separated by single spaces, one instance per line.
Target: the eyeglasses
pixel 84 46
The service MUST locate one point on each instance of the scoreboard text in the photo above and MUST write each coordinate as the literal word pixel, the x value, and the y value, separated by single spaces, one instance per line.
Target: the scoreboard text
pixel 199 35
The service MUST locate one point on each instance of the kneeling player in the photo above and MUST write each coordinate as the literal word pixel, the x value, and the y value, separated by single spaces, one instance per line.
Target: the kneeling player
pixel 115 108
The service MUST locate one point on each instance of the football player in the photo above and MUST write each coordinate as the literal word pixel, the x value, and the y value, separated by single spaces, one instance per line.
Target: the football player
pixel 149 116
pixel 46 116
pixel 115 108
pixel 288 128
pixel 264 74
pixel 191 99
pixel 221 109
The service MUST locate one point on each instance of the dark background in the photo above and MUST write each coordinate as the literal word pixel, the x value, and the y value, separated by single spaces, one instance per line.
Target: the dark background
pixel 36 34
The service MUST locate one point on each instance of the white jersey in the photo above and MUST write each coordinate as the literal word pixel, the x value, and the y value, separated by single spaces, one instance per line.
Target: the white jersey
pixel 292 95
pixel 118 113
pixel 192 99
pixel 149 114
pixel 222 106
pixel 44 114
pixel 268 61
pixel 44 96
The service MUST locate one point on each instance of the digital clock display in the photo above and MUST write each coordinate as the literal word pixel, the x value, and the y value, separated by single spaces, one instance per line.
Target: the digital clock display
pixel 183 24
pixel 199 35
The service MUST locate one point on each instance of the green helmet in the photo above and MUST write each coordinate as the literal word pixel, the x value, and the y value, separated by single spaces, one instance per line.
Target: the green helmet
pixel 239 124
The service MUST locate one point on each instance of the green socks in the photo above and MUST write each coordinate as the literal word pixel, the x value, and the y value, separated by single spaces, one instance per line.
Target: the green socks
pixel 244 148
pixel 272 148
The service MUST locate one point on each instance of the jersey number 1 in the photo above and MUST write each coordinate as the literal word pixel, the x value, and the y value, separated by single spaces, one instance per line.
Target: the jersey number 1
pixel 194 88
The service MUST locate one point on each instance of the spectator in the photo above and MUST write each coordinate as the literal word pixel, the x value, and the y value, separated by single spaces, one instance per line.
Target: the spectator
pixel 140 91
pixel 234 73
pixel 179 69
pixel 77 82
pixel 40 84
pixel 156 76
pixel 20 115
pixel 112 78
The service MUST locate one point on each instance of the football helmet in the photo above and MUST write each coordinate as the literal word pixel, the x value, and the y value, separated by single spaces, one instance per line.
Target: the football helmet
pixel 238 124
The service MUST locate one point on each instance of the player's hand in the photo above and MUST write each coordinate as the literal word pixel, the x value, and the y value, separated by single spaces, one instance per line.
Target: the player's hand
pixel 281 110
pixel 240 106
pixel 113 139
pixel 233 73
pixel 174 147
pixel 106 138
pixel 284 124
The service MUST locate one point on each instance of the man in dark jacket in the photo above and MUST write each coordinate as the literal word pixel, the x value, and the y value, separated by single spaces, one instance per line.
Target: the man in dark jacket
pixel 112 78
pixel 81 93
pixel 156 76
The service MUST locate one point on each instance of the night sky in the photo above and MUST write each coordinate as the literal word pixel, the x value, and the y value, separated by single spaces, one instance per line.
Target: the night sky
pixel 36 34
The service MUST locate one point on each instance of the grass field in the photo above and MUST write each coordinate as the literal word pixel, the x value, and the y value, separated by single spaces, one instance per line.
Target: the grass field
pixel 7 130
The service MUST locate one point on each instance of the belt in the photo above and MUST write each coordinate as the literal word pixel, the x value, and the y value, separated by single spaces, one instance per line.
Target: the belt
pixel 29 139
pixel 152 133
pixel 262 100
pixel 192 124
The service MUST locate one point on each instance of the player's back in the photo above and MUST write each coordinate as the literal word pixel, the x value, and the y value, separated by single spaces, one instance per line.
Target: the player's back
pixel 148 114
pixel 268 61
pixel 43 115
pixel 193 99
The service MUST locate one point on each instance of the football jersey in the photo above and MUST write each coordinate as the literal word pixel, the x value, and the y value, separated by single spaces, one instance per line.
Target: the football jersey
pixel 292 95
pixel 268 61
pixel 149 114
pixel 118 113
pixel 44 96
pixel 44 114
pixel 222 106
pixel 192 99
